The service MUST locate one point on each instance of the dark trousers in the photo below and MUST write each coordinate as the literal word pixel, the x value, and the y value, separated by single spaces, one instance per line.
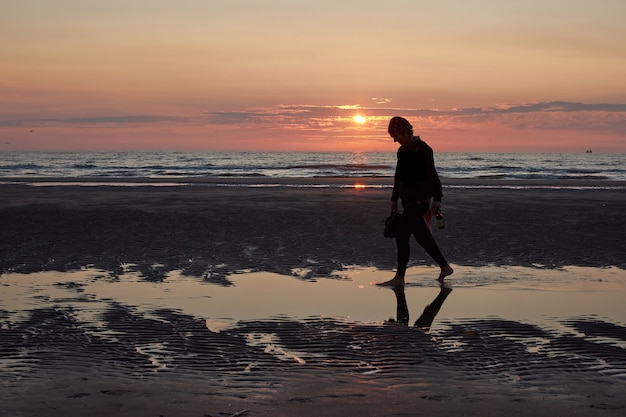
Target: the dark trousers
pixel 413 223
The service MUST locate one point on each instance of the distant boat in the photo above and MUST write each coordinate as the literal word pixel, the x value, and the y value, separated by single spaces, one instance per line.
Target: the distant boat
pixel 588 151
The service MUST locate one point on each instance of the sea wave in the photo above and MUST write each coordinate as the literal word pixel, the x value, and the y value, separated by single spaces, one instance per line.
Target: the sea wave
pixel 350 167
pixel 507 166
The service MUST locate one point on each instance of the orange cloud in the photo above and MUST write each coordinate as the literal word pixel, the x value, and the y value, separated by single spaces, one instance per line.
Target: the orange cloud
pixel 550 126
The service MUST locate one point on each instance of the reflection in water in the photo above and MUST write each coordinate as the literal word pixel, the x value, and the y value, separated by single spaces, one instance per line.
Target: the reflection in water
pixel 428 315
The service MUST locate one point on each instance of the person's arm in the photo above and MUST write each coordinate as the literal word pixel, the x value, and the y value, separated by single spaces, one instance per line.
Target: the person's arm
pixel 395 194
pixel 436 187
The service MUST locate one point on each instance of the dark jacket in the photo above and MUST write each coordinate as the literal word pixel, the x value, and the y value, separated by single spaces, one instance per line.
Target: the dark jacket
pixel 416 178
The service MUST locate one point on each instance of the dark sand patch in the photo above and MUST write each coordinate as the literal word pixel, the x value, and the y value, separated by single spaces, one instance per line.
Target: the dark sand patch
pixel 213 231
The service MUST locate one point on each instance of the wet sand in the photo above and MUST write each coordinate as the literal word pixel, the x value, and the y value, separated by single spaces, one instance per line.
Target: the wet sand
pixel 213 231
pixel 211 300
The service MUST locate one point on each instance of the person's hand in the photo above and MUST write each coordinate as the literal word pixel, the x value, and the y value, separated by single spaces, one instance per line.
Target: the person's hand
pixel 394 206
pixel 436 207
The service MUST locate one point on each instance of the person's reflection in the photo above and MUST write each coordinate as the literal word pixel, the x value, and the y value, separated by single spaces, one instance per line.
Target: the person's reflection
pixel 428 315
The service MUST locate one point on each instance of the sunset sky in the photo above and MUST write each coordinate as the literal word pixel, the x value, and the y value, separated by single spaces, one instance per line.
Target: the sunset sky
pixel 481 75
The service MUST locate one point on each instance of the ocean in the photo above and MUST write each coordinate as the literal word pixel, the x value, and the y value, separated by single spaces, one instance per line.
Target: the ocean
pixel 171 165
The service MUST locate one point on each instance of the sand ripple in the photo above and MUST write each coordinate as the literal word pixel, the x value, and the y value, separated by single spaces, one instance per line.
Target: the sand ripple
pixel 166 342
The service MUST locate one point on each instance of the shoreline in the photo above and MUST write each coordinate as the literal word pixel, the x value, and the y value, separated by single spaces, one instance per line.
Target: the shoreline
pixel 322 181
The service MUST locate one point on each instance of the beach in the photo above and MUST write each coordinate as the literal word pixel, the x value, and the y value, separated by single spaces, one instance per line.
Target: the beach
pixel 197 297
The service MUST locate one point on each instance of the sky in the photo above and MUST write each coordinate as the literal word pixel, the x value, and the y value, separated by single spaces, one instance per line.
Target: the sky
pixel 296 75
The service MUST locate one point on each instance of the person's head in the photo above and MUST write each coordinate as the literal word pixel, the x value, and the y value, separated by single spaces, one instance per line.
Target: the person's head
pixel 400 129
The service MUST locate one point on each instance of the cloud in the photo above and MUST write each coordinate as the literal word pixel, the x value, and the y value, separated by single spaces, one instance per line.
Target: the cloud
pixel 560 106
pixel 338 119
pixel 294 116
pixel 232 117
pixel 562 115
pixel 541 115
pixel 98 121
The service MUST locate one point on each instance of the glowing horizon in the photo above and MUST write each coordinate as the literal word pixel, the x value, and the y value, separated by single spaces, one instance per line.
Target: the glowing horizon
pixel 287 76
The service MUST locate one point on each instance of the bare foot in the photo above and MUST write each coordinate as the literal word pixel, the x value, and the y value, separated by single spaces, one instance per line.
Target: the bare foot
pixel 397 280
pixel 445 271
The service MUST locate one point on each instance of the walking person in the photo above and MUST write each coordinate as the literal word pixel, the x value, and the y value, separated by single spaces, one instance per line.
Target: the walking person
pixel 417 186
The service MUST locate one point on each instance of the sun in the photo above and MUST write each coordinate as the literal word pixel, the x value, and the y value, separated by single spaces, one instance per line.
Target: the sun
pixel 359 119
